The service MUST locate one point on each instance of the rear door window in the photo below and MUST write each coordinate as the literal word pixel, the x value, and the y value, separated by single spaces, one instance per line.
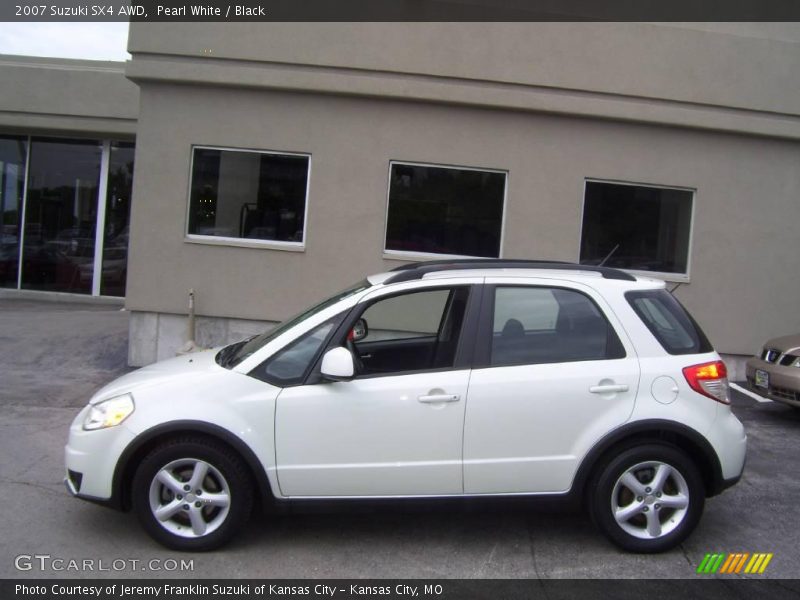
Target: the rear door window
pixel 535 325
pixel 668 321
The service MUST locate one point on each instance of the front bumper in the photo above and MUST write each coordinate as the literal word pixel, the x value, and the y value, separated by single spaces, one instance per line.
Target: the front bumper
pixel 784 382
pixel 91 457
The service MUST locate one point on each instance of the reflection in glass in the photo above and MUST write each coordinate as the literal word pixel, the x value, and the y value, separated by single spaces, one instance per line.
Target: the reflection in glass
pixel 118 211
pixel 61 215
pixel 253 195
pixel 12 178
pixel 442 210
pixel 636 227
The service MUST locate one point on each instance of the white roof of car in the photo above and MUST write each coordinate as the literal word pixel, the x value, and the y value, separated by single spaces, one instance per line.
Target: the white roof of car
pixel 571 274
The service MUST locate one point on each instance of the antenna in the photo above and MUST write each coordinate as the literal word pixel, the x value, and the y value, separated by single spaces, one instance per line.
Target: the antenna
pixel 603 262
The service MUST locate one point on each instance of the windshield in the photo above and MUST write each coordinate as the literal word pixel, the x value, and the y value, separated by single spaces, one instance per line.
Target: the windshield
pixel 232 355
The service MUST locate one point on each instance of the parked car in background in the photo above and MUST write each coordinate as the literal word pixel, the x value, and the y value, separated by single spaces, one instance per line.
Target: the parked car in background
pixel 775 371
pixel 448 379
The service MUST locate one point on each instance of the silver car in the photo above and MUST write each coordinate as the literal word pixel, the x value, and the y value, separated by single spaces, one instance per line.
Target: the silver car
pixel 775 372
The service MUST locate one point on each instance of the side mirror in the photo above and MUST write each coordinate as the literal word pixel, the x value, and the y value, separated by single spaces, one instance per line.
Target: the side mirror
pixel 337 365
pixel 359 331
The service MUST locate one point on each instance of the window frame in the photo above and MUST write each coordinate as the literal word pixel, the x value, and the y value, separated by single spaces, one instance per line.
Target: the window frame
pixel 218 240
pixel 405 255
pixel 464 350
pixel 662 275
pixel 485 327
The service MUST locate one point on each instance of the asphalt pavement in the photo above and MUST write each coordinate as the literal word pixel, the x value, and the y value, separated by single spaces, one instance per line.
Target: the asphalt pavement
pixel 54 355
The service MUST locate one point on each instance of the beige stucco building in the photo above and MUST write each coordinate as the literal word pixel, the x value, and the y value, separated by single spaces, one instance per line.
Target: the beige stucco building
pixel 277 163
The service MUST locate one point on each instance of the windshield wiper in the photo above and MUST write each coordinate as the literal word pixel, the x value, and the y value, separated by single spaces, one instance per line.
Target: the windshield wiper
pixel 227 353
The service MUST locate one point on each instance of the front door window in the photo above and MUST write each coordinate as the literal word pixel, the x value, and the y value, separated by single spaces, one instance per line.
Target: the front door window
pixel 411 332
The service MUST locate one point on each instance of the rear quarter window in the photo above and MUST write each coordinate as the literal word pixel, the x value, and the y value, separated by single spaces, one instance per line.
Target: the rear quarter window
pixel 669 322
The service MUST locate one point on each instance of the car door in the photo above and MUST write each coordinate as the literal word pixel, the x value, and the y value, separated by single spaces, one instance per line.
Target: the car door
pixel 553 373
pixel 396 428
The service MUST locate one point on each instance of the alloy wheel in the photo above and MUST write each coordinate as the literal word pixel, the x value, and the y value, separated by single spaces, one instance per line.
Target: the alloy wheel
pixel 189 497
pixel 650 500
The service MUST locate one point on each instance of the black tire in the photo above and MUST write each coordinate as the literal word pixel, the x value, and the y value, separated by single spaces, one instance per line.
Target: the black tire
pixel 206 524
pixel 656 522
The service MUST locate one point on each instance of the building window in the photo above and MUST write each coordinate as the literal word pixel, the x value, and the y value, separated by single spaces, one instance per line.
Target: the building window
pixel 445 210
pixel 636 227
pixel 58 246
pixel 248 195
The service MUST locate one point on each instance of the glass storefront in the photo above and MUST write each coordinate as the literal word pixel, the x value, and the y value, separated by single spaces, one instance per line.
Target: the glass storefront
pixel 61 215
pixel 13 153
pixel 71 217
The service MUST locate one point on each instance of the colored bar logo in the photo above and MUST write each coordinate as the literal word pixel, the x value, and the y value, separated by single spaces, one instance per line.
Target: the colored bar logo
pixel 737 562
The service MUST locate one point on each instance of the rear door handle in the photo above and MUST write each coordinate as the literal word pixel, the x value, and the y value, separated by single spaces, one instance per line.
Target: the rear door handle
pixel 609 389
pixel 435 398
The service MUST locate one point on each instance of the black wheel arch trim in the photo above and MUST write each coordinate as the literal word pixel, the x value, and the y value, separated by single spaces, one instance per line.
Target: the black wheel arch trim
pixel 653 430
pixel 649 429
pixel 120 496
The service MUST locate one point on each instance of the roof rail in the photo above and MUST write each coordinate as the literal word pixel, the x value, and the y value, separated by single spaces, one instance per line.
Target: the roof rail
pixel 418 270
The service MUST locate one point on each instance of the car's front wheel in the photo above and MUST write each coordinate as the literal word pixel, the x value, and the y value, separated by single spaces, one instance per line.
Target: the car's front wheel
pixel 192 493
pixel 647 499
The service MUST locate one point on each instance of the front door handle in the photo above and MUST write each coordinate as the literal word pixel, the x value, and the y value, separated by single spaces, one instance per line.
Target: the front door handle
pixel 609 389
pixel 436 398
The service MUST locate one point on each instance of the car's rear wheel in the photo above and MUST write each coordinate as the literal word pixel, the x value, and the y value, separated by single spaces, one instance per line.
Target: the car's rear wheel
pixel 648 498
pixel 192 493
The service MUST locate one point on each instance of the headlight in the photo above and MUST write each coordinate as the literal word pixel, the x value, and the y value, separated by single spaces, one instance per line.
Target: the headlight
pixel 109 413
pixel 796 362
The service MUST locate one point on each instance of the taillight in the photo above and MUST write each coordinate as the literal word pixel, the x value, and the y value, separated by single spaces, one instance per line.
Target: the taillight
pixel 709 379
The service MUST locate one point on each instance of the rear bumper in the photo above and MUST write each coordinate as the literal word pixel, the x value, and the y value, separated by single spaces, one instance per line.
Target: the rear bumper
pixel 729 441
pixel 726 483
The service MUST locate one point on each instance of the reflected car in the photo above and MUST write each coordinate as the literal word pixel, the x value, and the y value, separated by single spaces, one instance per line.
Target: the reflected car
pixel 775 371
pixel 115 263
pixel 9 256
